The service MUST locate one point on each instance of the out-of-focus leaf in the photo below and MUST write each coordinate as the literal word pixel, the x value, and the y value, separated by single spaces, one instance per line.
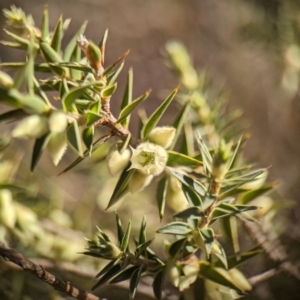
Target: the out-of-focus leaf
pixel 124 275
pixel 161 196
pixel 118 61
pixel 125 240
pixel 231 229
pixel 74 138
pixel 45 24
pixel 57 146
pixel 176 158
pixel 195 185
pixel 73 42
pixel 126 111
pixel 157 114
pixel 23 42
pixel 87 137
pixel 96 145
pixel 233 262
pixel 252 194
pixel 108 275
pixel 12 116
pixel 74 66
pixel 57 36
pixel 119 229
pixel 187 144
pixel 206 156
pixel 221 256
pixel 134 280
pixel 179 122
pixel 142 235
pixel 91 117
pixel 192 212
pixel 176 247
pixel 38 148
pixel 177 228
pixel 236 149
pixel 127 98
pixel 217 275
pixel 158 283
pixel 111 78
pixel 121 186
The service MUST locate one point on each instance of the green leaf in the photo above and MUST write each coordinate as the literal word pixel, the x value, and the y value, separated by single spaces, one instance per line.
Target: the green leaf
pixel 121 186
pixel 142 235
pixel 108 267
pixel 252 194
pixel 126 111
pixel 108 275
pixel 176 228
pixel 157 114
pixel 12 116
pixel 91 117
pixel 207 236
pixel 221 256
pixel 87 137
pixel 158 283
pixel 134 280
pixel 102 45
pixel 111 78
pixel 38 148
pixel 73 42
pixel 206 156
pixel 74 66
pixel 125 240
pixel 74 138
pixel 231 229
pixel 217 275
pixel 195 185
pixel 141 249
pixel 45 24
pixel 108 91
pixel 192 197
pixel 119 229
pixel 233 262
pixel 161 196
pixel 127 98
pixel 118 61
pixel 124 275
pixel 179 122
pixel 187 144
pixel 192 212
pixel 236 149
pixel 57 146
pixel 23 42
pixel 176 247
pixel 176 158
pixel 96 145
pixel 57 36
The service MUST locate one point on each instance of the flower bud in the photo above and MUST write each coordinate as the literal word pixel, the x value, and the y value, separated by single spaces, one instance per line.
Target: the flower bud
pixel 139 181
pixel 149 159
pixel 7 209
pixel 173 273
pixel 175 196
pixel 117 161
pixel 6 82
pixel 162 136
pixel 93 54
pixel 58 122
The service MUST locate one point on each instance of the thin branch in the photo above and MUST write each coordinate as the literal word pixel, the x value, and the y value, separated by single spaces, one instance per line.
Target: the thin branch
pixel 42 274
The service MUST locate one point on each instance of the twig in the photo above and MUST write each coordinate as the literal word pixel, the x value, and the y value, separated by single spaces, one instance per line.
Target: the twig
pixel 38 271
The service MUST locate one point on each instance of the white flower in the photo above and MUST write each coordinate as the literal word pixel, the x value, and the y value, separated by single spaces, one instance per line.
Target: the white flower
pixel 162 136
pixel 149 159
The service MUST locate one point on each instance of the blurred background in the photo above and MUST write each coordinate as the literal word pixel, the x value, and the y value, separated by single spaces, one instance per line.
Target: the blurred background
pixel 250 46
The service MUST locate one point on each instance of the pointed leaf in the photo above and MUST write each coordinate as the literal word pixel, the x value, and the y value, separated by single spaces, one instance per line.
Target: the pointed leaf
pixel 102 45
pixel 45 24
pixel 142 235
pixel 12 116
pixel 126 111
pixel 87 137
pixel 192 212
pixel 176 158
pixel 121 186
pixel 125 240
pixel 127 97
pixel 108 275
pixel 161 196
pixel 38 148
pixel 108 267
pixel 206 156
pixel 118 61
pixel 176 247
pixel 108 91
pixel 120 230
pixel 157 114
pixel 111 78
pixel 141 249
pixel 74 137
pixel 191 196
pixel 176 228
pixel 124 275
pixel 233 262
pixel 158 283
pixel 252 194
pixel 134 280
pixel 236 149
pixel 57 36
pixel 23 42
pixel 207 236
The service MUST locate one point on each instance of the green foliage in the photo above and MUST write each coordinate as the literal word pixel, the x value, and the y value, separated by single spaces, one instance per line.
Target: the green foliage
pixel 201 177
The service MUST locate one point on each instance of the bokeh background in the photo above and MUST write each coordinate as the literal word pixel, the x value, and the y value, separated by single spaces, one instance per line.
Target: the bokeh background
pixel 250 46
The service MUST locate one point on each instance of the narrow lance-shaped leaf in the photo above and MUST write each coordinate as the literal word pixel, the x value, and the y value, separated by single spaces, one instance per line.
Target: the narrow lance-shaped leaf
pixel 73 42
pixel 126 111
pixel 176 158
pixel 134 280
pixel 125 240
pixel 230 226
pixel 127 97
pixel 87 137
pixel 118 61
pixel 124 275
pixel 108 267
pixel 177 228
pixel 74 137
pixel 179 122
pixel 141 249
pixel 192 212
pixel 207 236
pixel 161 196
pixel 158 283
pixel 236 149
pixel 191 196
pixel 142 235
pixel 119 229
pixel 45 24
pixel 108 275
pixel 121 186
pixel 57 36
pixel 102 46
pixel 38 148
pixel 187 144
pixel 111 78
pixel 108 91
pixel 206 156
pixel 176 247
pixel 23 42
pixel 249 196
pixel 157 114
